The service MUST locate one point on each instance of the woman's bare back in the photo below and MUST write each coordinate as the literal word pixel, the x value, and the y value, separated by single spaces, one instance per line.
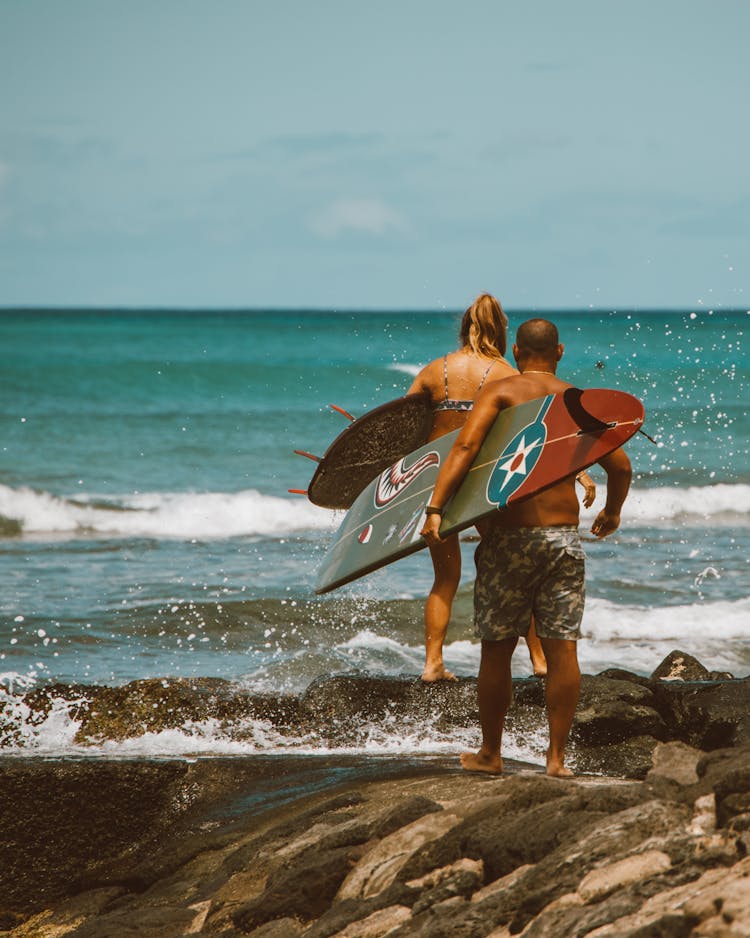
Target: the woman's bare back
pixel 466 372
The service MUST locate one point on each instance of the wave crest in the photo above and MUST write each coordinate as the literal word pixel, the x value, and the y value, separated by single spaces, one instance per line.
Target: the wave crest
pixel 25 511
pixel 158 514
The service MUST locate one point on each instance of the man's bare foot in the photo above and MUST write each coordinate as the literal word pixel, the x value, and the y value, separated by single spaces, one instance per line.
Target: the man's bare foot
pixel 557 769
pixel 479 762
pixel 437 672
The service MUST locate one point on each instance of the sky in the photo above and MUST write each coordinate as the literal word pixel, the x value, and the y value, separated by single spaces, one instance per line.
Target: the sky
pixel 405 154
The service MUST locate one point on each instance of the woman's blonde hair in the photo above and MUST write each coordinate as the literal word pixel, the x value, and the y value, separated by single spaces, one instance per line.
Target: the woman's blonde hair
pixel 484 327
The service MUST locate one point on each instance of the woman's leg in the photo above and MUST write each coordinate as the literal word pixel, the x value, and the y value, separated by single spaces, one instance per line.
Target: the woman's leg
pixel 536 653
pixel 446 562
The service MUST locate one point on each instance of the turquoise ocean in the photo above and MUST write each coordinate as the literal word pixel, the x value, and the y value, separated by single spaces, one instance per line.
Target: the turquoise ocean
pixel 146 529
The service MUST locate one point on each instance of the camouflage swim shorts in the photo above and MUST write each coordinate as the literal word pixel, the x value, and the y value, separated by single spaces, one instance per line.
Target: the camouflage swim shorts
pixel 529 570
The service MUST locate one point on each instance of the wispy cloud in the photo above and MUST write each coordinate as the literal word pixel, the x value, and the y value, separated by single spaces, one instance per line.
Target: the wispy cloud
pixel 364 216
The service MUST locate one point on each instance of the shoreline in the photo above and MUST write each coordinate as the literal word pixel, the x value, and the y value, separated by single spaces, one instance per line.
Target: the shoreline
pixel 350 714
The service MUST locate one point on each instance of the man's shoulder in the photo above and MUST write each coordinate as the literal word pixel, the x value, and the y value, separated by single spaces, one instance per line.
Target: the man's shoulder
pixel 518 389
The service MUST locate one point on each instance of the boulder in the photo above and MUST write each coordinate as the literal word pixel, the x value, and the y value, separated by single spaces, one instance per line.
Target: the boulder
pixel 149 706
pixel 301 890
pixel 706 715
pixel 380 867
pixel 680 666
pixel 629 758
pixel 675 761
pixel 610 711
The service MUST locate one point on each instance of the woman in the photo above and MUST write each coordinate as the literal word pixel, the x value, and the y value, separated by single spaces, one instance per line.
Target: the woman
pixel 453 382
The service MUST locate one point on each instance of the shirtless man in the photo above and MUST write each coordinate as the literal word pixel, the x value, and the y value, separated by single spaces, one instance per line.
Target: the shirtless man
pixel 530 558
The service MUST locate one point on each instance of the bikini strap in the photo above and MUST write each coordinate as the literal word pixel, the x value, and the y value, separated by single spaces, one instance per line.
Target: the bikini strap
pixel 445 376
pixel 484 376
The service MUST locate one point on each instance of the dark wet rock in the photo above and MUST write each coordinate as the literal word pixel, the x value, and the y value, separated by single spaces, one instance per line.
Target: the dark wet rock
pixel 610 711
pixel 279 928
pixel 403 813
pixel 462 878
pixel 728 773
pixel 620 674
pixel 574 920
pixel 293 833
pixel 340 709
pixel 61 822
pixel 345 912
pixel 303 890
pixel 680 666
pixel 74 825
pixel 168 703
pixel 629 758
pixel 162 921
pixel 706 715
pixel 616 709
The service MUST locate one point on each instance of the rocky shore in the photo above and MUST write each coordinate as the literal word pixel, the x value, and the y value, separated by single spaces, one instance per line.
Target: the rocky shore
pixel 650 839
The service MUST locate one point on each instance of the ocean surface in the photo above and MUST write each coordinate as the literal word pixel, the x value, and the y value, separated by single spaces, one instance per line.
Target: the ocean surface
pixel 146 529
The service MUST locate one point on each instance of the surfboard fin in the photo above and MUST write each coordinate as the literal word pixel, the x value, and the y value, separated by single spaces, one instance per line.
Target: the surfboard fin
pixel 297 491
pixel 302 452
pixel 340 410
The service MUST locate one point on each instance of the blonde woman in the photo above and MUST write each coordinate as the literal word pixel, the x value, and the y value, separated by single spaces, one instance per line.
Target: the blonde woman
pixel 453 382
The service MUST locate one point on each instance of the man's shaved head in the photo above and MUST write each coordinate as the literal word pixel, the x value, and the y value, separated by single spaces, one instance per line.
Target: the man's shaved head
pixel 538 336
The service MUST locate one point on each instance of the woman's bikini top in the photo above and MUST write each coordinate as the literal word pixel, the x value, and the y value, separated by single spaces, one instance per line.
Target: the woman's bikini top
pixel 448 403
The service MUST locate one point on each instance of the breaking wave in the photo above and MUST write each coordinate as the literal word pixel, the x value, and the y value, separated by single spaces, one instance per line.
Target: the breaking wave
pixel 25 511
pixel 158 514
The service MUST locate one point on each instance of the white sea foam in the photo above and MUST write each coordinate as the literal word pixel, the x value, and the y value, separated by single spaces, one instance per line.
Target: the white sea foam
pixel 55 735
pixel 639 637
pixel 231 514
pixel 716 622
pixel 406 369
pixel 690 505
pixel 162 514
pixel 634 637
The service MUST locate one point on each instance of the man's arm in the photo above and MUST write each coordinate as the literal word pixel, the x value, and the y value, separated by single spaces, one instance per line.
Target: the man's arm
pixel 462 455
pixel 619 472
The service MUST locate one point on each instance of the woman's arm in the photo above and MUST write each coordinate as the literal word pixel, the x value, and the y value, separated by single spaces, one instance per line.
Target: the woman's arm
pixel 617 466
pixel 425 382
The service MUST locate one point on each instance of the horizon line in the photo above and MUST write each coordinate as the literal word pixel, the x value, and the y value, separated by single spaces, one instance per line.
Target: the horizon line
pixel 344 310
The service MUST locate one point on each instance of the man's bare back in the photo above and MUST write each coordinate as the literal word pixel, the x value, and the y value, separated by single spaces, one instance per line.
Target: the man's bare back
pixel 556 505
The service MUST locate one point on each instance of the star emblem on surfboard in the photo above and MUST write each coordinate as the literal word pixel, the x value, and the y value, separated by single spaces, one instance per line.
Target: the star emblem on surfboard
pixel 518 459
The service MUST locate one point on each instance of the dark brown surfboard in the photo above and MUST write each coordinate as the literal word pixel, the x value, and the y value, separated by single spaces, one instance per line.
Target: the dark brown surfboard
pixel 367 446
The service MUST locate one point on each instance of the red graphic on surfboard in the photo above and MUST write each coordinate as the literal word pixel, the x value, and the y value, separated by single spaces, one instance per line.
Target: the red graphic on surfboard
pixel 398 477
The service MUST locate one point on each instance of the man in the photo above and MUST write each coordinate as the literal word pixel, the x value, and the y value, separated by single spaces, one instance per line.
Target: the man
pixel 529 560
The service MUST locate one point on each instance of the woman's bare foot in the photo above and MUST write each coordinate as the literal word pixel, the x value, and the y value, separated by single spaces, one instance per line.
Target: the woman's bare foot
pixel 540 670
pixel 481 762
pixel 437 672
pixel 556 768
